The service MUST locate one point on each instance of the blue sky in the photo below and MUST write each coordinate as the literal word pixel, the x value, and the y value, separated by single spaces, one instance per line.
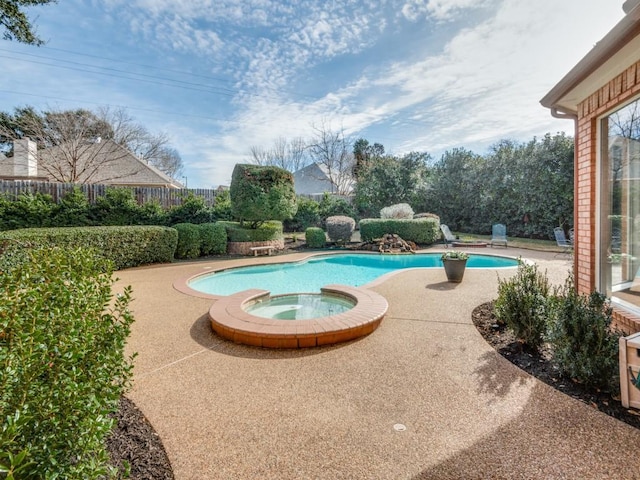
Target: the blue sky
pixel 220 76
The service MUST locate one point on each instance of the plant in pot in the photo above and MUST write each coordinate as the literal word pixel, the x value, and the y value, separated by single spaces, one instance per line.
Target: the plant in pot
pixel 454 263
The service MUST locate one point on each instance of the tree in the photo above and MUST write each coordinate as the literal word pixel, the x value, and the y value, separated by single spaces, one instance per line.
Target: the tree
pixel 261 193
pixel 287 154
pixel 332 150
pixel 17 25
pixel 363 153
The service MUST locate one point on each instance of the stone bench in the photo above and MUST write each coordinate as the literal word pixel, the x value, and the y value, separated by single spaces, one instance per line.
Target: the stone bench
pixel 267 248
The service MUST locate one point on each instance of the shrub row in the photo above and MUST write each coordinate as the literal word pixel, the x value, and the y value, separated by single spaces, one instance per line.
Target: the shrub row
pixel 314 214
pixel 424 231
pixel 62 363
pixel 200 240
pixel 577 327
pixel 124 246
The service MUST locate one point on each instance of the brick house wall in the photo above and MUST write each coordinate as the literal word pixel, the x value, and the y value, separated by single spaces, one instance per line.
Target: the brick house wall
pixel 615 93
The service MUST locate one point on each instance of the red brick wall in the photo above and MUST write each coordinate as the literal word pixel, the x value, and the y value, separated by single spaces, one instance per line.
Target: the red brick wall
pixel 615 93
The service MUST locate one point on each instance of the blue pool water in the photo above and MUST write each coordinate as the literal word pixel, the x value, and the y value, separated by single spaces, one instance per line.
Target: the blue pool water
pixel 310 275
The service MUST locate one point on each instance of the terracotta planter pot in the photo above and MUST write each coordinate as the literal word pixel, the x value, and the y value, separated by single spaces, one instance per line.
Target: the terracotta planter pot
pixel 454 269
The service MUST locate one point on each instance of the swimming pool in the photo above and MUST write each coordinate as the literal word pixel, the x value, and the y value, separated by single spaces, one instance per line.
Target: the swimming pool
pixel 309 276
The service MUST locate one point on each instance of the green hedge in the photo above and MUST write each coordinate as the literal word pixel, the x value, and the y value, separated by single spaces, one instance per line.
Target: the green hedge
pixel 424 231
pixel 124 246
pixel 315 237
pixel 62 363
pixel 213 239
pixel 189 240
pixel 268 231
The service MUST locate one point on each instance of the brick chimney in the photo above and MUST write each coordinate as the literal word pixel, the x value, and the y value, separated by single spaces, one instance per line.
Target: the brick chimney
pixel 25 158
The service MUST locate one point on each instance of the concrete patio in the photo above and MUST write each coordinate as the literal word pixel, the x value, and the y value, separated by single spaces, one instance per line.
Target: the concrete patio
pixel 424 396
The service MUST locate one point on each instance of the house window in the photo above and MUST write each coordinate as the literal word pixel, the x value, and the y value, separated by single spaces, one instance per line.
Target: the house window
pixel 620 206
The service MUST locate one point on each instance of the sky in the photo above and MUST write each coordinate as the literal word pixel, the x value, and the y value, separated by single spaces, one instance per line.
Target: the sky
pixel 221 76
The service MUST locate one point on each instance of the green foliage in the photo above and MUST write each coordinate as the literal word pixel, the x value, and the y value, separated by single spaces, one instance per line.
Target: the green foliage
pixel 267 231
pixel 423 231
pixel 189 240
pixel 16 22
pixel 28 210
pixel 72 210
pixel 523 304
pixel 116 207
pixel 62 364
pixel 222 207
pixel 391 180
pixel 308 215
pixel 454 255
pixel 261 193
pixel 315 237
pixel 585 347
pixel 331 207
pixel 192 210
pixel 127 246
pixel 340 228
pixel 213 239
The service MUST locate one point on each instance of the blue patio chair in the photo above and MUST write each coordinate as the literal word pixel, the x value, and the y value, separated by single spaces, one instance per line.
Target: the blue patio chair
pixel 447 235
pixel 499 235
pixel 561 240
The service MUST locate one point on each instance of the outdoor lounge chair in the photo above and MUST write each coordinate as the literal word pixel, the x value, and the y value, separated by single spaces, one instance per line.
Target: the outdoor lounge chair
pixel 447 235
pixel 561 240
pixel 498 235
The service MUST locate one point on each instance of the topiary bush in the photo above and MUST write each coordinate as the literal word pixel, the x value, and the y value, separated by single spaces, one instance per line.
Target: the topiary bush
pixel 523 304
pixel 62 363
pixel 125 246
pixel 423 231
pixel 340 228
pixel 261 193
pixel 189 240
pixel 584 345
pixel 315 237
pixel 213 239
pixel 263 233
pixel 399 210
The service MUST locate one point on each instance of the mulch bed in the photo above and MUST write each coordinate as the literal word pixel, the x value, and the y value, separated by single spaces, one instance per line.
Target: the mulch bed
pixel 539 365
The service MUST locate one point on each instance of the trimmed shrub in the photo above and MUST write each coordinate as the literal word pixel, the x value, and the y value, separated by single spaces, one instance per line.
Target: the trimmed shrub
pixel 399 210
pixel 427 215
pixel 340 228
pixel 308 215
pixel 424 231
pixel 523 304
pixel 62 363
pixel 213 239
pixel 125 246
pixel 315 237
pixel 189 240
pixel 585 347
pixel 263 233
pixel 261 193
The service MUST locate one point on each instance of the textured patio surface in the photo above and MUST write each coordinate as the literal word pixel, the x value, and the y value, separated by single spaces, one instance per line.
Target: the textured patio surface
pixel 226 411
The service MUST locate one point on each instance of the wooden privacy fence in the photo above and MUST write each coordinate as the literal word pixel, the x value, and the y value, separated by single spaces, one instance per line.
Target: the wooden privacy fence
pixel 167 197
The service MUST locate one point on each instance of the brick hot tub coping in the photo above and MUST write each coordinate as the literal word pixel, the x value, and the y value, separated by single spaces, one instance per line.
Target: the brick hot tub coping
pixel 230 320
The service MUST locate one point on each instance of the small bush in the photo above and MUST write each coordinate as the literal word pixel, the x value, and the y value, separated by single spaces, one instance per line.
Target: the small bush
pixel 124 246
pixel 73 210
pixel 28 211
pixel 424 231
pixel 263 233
pixel 222 207
pixel 315 237
pixel 331 207
pixel 308 215
pixel 62 363
pixel 189 240
pixel 585 348
pixel 399 210
pixel 523 304
pixel 192 210
pixel 213 239
pixel 117 207
pixel 340 228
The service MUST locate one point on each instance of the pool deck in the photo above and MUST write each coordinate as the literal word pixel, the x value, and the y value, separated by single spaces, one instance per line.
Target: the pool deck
pixel 422 397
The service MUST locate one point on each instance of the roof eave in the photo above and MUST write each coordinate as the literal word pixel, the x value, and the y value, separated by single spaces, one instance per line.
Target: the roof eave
pixel 627 29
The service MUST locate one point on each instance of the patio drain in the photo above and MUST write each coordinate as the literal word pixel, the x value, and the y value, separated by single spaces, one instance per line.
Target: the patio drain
pixel 398 427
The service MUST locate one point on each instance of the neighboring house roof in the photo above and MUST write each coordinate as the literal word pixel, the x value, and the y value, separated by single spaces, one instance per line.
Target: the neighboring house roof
pixel 315 179
pixel 608 58
pixel 103 162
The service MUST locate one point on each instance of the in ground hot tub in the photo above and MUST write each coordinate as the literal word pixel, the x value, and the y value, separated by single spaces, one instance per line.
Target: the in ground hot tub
pixel 338 314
